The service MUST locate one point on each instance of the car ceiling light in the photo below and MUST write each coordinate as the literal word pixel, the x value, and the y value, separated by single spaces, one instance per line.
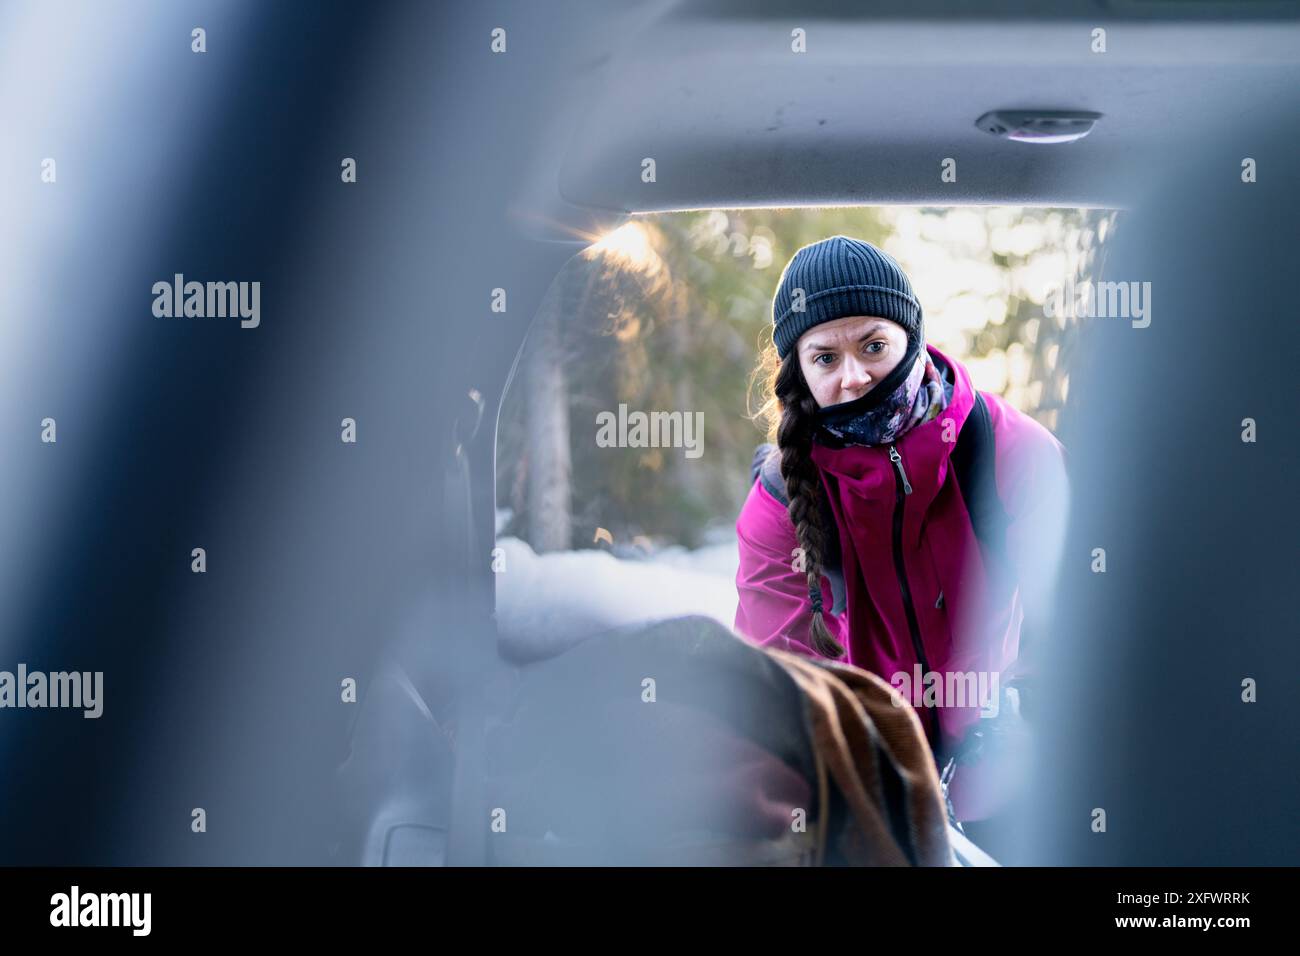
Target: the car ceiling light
pixel 1039 126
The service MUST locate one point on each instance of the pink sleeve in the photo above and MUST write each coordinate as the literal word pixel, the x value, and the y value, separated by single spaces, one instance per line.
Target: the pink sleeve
pixel 774 608
pixel 1035 493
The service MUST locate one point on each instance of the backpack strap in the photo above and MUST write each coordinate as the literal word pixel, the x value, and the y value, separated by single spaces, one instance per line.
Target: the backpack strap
pixel 974 460
pixel 761 454
pixel 766 467
pixel 769 472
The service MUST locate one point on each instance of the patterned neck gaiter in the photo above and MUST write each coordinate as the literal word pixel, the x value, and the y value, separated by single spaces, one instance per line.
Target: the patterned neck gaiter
pixel 873 420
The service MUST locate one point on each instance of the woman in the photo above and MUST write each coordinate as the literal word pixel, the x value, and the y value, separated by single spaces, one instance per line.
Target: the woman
pixel 867 420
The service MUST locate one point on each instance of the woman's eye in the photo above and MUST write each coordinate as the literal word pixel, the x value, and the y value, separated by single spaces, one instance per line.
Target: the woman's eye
pixel 824 355
pixel 875 348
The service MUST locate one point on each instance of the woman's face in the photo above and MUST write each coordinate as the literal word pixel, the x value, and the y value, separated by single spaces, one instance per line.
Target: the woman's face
pixel 845 358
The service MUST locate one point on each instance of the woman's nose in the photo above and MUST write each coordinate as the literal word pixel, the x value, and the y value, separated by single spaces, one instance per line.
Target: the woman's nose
pixel 854 375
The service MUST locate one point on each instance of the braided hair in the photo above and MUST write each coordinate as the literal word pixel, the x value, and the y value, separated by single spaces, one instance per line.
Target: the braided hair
pixel 791 410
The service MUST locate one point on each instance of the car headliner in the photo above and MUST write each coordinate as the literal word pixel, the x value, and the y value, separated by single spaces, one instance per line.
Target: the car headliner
pixel 712 92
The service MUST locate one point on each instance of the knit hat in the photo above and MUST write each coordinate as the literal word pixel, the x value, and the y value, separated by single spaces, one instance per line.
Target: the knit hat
pixel 842 276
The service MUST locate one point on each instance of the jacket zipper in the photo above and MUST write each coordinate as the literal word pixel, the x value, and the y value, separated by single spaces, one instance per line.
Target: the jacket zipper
pixel 903 488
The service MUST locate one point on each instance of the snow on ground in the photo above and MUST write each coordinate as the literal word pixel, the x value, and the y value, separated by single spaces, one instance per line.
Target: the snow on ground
pixel 547 602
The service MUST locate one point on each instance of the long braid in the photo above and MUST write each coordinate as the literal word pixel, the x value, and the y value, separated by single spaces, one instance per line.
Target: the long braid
pixel 804 488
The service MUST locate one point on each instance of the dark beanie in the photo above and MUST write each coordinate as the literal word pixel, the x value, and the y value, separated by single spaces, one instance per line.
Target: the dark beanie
pixel 841 276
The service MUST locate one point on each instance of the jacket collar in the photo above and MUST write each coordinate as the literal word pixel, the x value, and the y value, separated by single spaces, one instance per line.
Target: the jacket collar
pixel 924 450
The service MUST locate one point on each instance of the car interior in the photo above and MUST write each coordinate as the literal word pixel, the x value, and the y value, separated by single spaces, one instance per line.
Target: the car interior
pixel 491 146
pixel 712 92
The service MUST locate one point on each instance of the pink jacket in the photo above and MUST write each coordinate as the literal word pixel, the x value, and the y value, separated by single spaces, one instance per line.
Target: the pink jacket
pixel 967 616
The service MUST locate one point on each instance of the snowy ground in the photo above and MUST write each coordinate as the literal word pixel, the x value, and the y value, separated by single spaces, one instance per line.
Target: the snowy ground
pixel 547 602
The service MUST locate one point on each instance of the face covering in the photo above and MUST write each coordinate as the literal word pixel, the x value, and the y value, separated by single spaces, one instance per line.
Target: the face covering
pixel 914 392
